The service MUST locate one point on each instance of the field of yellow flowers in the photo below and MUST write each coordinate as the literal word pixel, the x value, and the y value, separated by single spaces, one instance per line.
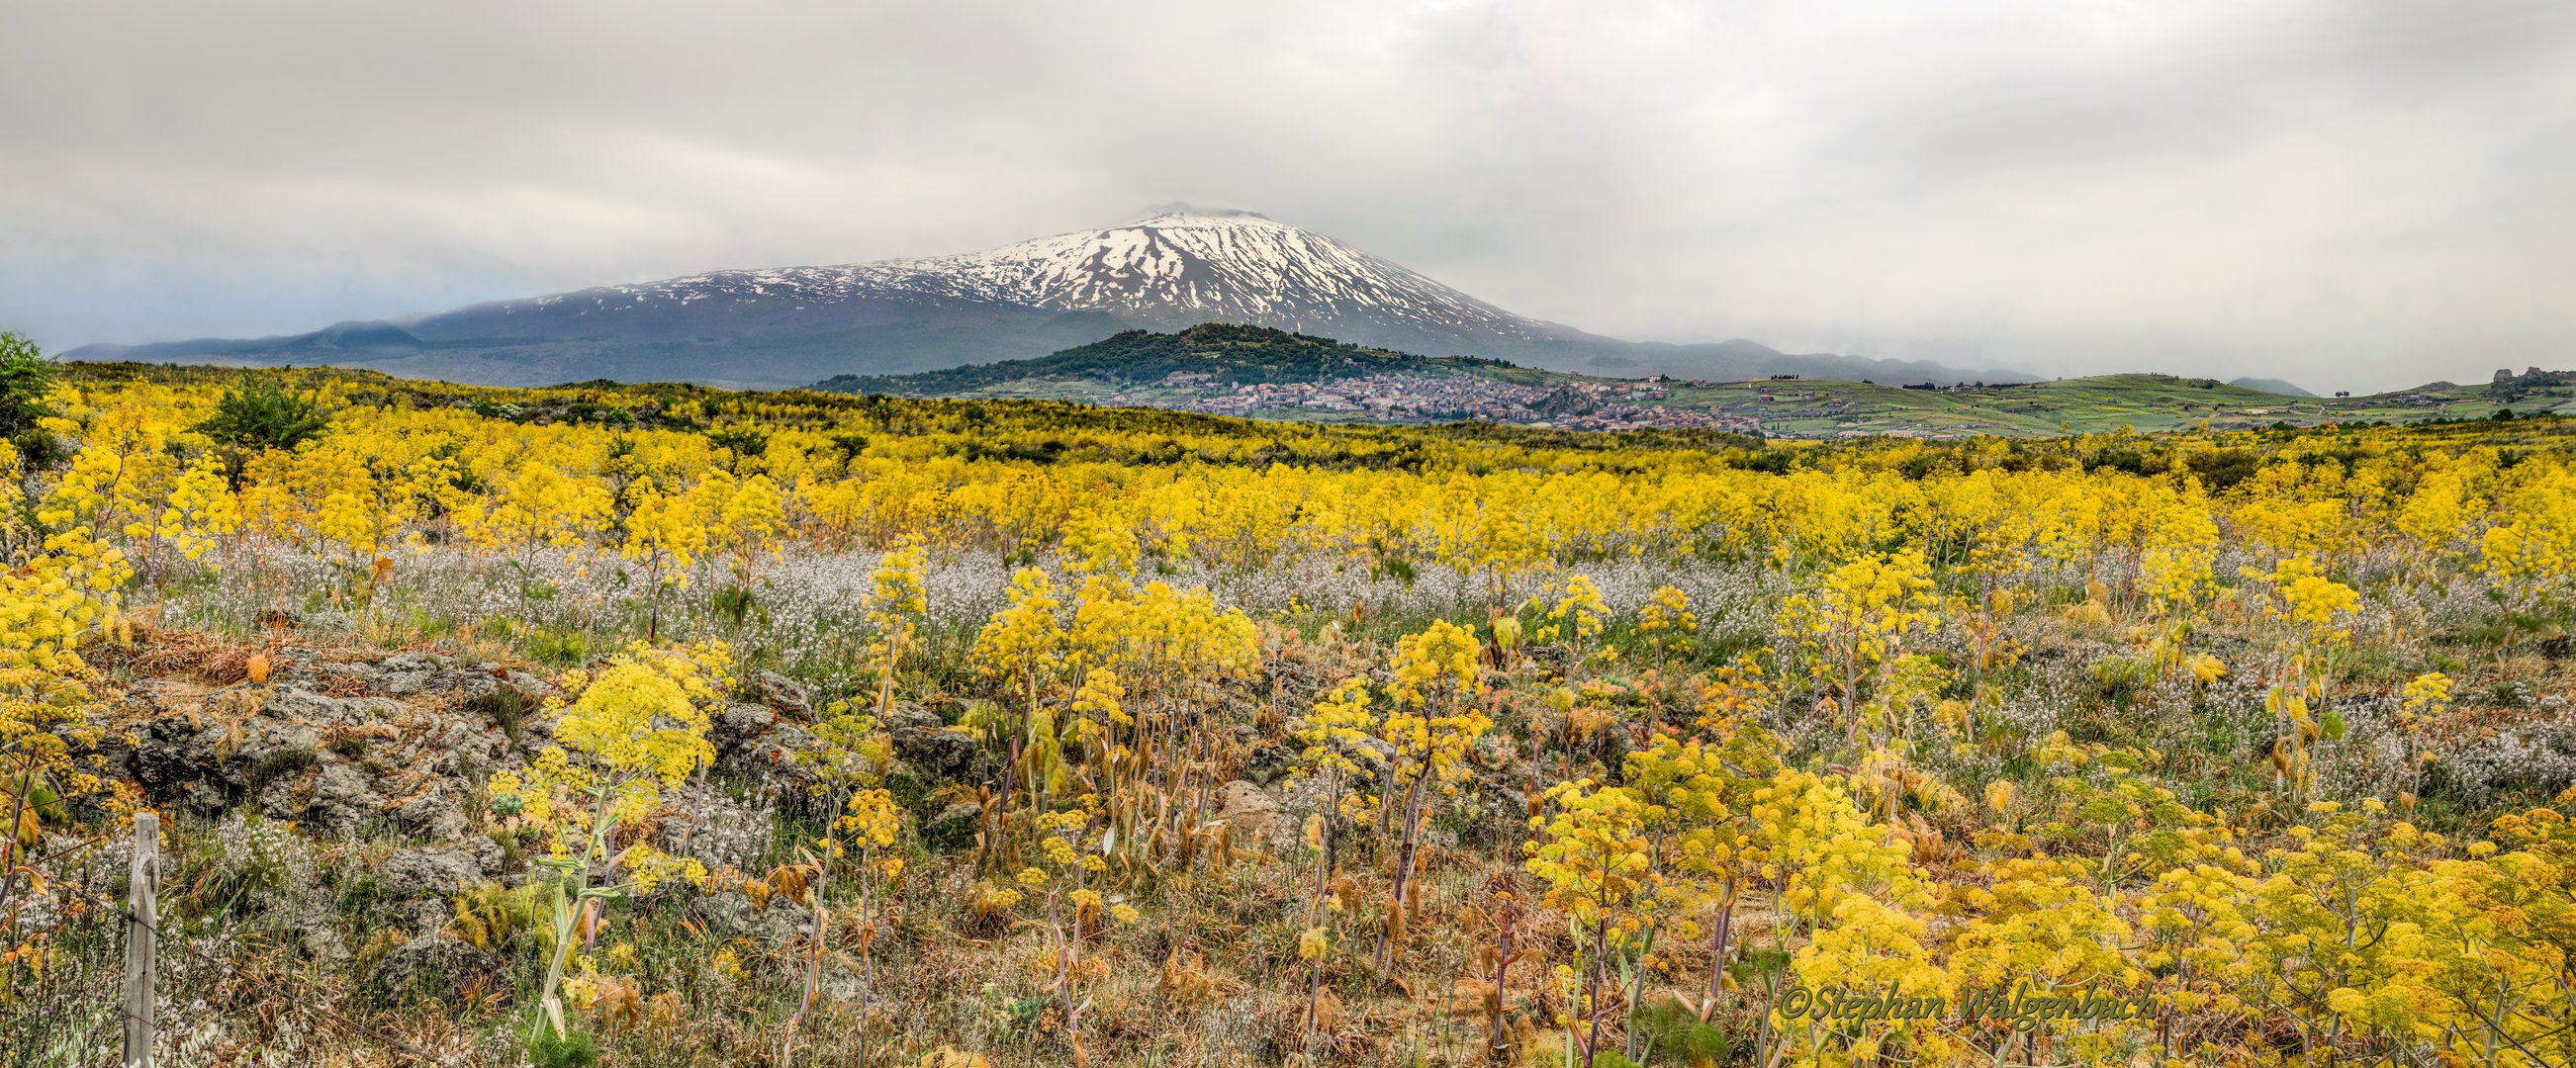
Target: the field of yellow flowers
pixel 796 728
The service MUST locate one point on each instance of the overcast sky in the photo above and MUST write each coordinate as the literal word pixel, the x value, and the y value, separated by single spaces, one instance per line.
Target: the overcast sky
pixel 2355 194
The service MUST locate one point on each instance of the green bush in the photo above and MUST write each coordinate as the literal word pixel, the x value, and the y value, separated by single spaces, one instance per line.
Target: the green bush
pixel 2222 468
pixel 39 449
pixel 549 1050
pixel 261 416
pixel 26 381
pixel 1678 1036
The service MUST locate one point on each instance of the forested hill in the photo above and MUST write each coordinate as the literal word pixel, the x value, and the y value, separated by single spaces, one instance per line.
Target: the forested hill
pixel 1232 354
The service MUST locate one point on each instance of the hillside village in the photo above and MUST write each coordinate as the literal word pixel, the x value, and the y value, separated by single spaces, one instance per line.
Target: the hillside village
pixel 1796 407
pixel 1411 398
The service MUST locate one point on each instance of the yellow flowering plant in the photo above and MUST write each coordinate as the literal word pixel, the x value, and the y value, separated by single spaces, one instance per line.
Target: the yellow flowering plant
pixel 1859 623
pixel 1334 746
pixel 1071 854
pixel 898 602
pixel 632 730
pixel 1598 864
pixel 1434 722
pixel 666 533
pixel 2315 615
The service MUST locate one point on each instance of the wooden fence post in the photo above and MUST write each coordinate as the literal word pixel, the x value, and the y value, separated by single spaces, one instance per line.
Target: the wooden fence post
pixel 143 913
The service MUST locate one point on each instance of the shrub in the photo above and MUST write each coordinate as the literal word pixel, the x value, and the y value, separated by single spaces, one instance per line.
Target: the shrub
pixel 26 383
pixel 575 1050
pixel 261 416
pixel 39 449
pixel 2224 468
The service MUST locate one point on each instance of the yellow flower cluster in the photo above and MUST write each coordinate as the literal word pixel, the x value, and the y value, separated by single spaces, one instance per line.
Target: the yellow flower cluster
pixel 635 729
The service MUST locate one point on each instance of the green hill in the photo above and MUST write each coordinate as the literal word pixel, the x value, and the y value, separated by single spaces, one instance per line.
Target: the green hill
pixel 2271 385
pixel 1229 354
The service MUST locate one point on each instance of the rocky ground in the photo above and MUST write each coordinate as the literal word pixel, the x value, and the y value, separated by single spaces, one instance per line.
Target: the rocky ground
pixel 334 811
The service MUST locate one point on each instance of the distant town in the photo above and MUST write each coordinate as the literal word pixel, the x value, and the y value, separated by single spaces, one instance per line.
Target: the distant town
pixel 1412 398
pixel 1794 406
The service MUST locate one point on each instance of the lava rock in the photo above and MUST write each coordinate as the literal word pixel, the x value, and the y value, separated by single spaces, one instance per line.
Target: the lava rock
pixel 771 758
pixel 297 705
pixel 433 815
pixel 1267 763
pixel 324 946
pixel 779 692
pixel 468 752
pixel 1251 815
pixel 343 799
pixel 429 873
pixel 170 756
pixel 428 967
pixel 780 925
pixel 723 912
pixel 936 753
pixel 264 738
pixel 425 917
pixel 739 724
pixel 713 829
pixel 909 716
pixel 404 674
pixel 487 854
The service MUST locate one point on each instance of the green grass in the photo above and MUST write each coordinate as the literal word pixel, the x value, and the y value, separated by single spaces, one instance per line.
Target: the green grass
pixel 2098 404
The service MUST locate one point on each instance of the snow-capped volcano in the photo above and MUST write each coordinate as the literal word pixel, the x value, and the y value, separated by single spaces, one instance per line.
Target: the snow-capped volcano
pixel 1233 266
pixel 1169 268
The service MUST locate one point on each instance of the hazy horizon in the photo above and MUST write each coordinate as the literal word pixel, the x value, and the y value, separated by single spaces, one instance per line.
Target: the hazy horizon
pixel 2346 195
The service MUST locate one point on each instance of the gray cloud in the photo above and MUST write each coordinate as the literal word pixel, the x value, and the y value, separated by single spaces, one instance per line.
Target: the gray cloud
pixel 2349 193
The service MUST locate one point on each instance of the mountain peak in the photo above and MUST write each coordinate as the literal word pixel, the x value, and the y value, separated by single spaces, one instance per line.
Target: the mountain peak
pixel 1181 210
pixel 1181 264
